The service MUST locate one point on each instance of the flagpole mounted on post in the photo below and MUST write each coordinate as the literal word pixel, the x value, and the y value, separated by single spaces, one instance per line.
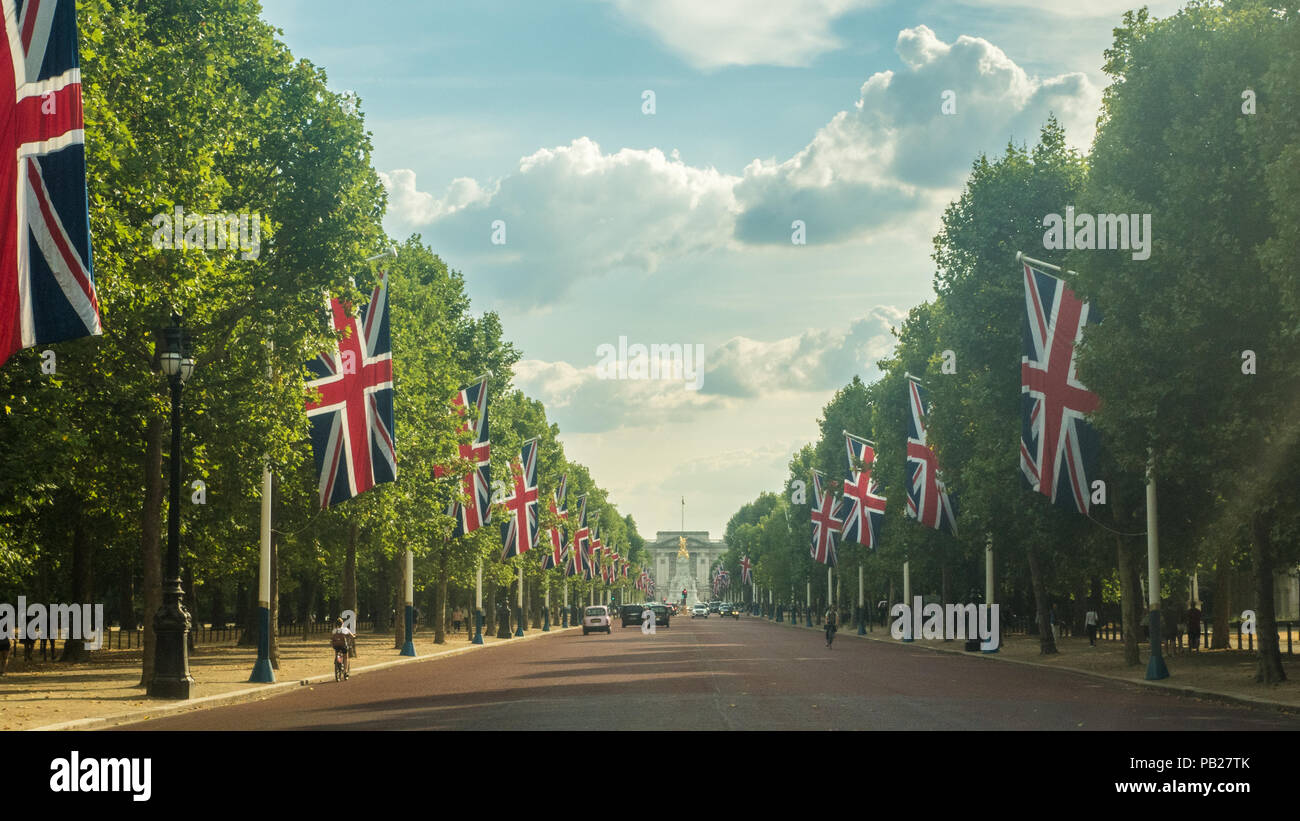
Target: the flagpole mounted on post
pixel 408 647
pixel 862 602
pixel 519 631
pixel 262 671
pixel 478 604
pixel 907 592
pixel 1156 668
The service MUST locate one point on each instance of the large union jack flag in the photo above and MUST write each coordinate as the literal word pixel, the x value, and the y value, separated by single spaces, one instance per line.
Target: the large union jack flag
pixel 594 558
pixel 746 571
pixel 478 482
pixel 863 507
pixel 519 533
pixel 927 500
pixel 1058 446
pixel 47 285
pixel 559 535
pixel 826 523
pixel 352 421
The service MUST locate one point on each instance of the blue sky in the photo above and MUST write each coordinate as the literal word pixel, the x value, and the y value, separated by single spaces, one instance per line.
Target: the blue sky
pixel 675 227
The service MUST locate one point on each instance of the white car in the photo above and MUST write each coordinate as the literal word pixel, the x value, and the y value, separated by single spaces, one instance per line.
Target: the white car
pixel 595 618
pixel 700 610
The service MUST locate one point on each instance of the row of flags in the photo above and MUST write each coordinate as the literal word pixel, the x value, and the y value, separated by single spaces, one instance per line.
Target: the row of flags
pixel 353 440
pixel 1058 446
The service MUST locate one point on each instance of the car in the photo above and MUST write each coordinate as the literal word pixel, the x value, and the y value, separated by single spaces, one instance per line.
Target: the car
pixel 715 607
pixel 595 619
pixel 700 611
pixel 662 614
pixel 631 613
pixel 730 610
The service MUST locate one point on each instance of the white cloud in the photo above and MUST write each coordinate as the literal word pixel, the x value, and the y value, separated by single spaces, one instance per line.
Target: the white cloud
pixel 815 360
pixel 713 33
pixel 575 212
pixel 871 166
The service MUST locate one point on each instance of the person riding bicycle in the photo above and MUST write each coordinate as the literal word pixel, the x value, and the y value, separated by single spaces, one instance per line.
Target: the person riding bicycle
pixel 832 619
pixel 342 641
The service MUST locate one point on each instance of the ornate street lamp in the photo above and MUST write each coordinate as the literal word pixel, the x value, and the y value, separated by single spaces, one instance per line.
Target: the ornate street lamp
pixel 171 675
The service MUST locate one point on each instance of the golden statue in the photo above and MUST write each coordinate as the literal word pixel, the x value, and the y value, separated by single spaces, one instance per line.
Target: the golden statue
pixel 682 552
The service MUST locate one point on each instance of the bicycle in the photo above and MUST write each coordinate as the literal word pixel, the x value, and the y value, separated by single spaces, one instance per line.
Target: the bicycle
pixel 342 668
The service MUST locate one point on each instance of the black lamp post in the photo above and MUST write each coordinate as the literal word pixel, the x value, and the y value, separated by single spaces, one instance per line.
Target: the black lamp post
pixel 171 624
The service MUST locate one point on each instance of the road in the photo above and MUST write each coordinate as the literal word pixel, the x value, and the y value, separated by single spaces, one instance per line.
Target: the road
pixel 716 674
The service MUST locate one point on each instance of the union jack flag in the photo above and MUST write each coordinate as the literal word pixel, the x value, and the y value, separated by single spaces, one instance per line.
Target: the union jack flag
pixel 746 571
pixel 578 552
pixel 863 506
pixel 47 283
pixel 826 523
pixel 1058 446
pixel 927 500
pixel 352 421
pixel 552 558
pixel 478 482
pixel 519 533
pixel 594 559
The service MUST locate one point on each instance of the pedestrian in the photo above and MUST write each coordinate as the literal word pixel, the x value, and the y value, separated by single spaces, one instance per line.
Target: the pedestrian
pixel 1194 627
pixel 456 618
pixel 832 621
pixel 1090 622
pixel 1051 620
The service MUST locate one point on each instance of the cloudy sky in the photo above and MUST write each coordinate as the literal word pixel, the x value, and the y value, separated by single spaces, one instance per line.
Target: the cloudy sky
pixel 677 226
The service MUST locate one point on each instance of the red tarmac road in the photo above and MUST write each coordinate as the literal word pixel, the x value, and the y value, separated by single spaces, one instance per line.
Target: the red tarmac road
pixel 720 674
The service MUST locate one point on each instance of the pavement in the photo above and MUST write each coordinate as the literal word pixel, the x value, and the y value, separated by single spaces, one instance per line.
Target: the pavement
pixel 716 674
pixel 105 692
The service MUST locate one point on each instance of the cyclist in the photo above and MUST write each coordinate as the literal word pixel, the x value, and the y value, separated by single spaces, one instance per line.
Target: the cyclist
pixel 832 619
pixel 341 641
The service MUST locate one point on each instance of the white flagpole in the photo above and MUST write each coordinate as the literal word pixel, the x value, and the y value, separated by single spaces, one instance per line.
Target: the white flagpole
pixel 1156 668
pixel 408 647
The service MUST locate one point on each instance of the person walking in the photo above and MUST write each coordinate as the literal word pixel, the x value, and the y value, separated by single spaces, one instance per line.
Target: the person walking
pixel 1090 622
pixel 1194 627
pixel 832 621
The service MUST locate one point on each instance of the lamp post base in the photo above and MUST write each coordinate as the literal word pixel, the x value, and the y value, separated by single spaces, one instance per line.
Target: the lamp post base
pixel 171 676
pixel 478 627
pixel 1156 669
pixel 262 670
pixel 546 620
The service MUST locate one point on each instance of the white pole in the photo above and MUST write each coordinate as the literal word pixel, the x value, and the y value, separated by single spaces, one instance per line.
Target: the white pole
pixel 830 590
pixel 907 584
pixel 1156 668
pixel 862 594
pixel 478 587
pixel 264 566
pixel 988 570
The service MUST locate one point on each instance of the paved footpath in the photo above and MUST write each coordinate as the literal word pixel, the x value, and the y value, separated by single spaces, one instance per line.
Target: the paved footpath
pixel 722 674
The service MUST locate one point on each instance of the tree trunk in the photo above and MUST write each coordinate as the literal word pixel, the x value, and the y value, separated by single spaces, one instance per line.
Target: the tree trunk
pixel 1222 602
pixel 1130 600
pixel 1269 669
pixel 350 573
pixel 83 582
pixel 151 540
pixel 1046 642
pixel 217 613
pixel 440 601
pixel 126 597
pixel 490 616
pixel 399 604
pixel 191 604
